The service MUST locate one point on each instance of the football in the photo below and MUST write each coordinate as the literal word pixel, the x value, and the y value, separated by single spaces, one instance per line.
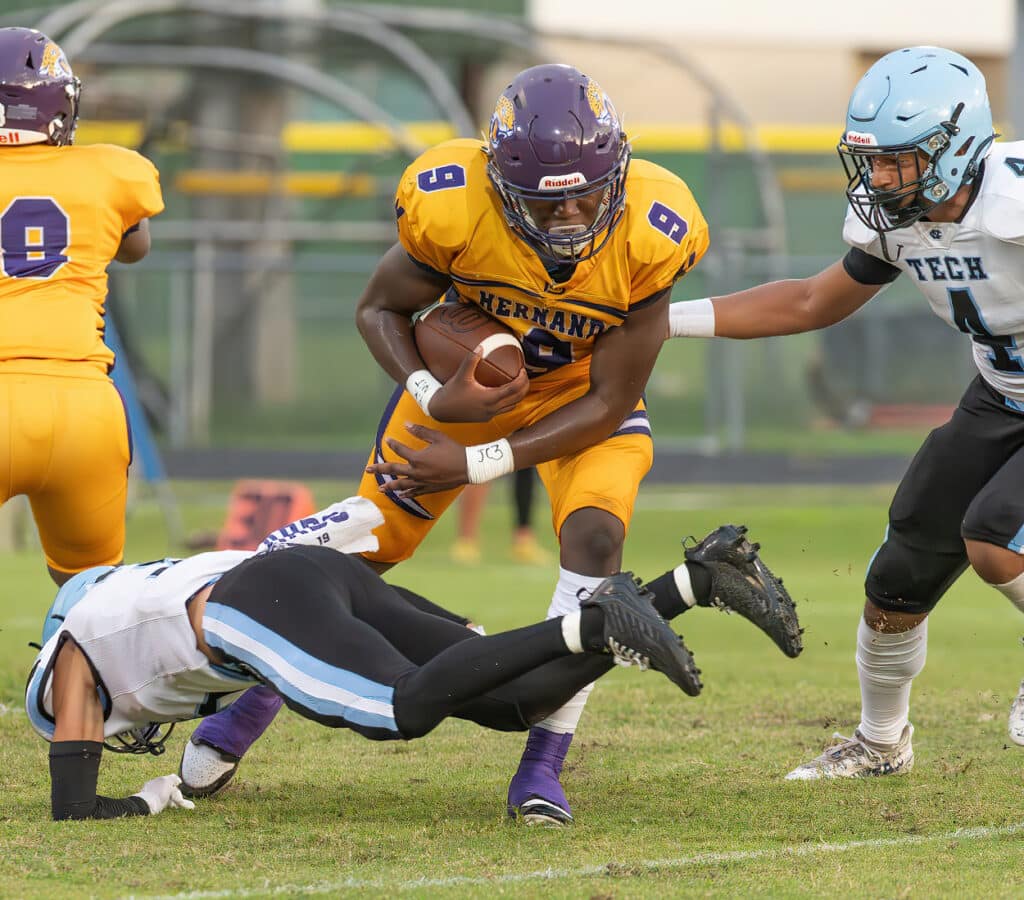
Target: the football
pixel 448 332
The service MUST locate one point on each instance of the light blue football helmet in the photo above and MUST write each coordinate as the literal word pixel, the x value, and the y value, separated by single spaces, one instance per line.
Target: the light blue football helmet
pixel 925 99
pixel 69 595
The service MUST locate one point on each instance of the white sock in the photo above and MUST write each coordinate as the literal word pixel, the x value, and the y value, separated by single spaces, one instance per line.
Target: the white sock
pixel 566 598
pixel 565 719
pixel 571 632
pixel 564 602
pixel 887 664
pixel 681 574
pixel 1013 591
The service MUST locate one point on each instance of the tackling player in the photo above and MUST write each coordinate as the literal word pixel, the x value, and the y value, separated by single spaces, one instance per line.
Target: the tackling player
pixel 65 213
pixel 552 229
pixel 127 648
pixel 933 196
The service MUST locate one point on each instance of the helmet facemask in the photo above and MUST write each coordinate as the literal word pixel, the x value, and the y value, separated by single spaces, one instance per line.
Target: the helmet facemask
pixel 565 243
pixel 62 126
pixel 884 210
pixel 144 739
pixel 39 93
pixel 924 110
pixel 556 137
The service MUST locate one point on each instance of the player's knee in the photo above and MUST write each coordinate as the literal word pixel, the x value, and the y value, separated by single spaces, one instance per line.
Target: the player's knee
pixel 901 579
pixel 990 561
pixel 987 518
pixel 591 539
pixel 412 717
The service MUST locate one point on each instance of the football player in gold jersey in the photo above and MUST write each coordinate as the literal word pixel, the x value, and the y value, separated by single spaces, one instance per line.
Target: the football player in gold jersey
pixel 65 213
pixel 554 231
pixel 551 229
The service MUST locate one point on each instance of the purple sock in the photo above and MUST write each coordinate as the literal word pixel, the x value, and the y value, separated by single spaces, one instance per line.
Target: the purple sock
pixel 235 729
pixel 539 769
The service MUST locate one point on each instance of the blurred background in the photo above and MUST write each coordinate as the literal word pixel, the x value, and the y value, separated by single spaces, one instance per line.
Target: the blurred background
pixel 280 128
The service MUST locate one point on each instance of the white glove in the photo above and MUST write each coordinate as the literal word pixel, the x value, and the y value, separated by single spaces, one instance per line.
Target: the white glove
pixel 346 526
pixel 159 793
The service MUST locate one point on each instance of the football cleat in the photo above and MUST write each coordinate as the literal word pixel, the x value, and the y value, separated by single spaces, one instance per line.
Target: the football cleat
pixel 857 758
pixel 538 811
pixel 742 583
pixel 535 794
pixel 636 635
pixel 1016 722
pixel 205 771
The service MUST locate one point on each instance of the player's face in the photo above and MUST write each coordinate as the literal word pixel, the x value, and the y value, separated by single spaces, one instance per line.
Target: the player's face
pixel 894 171
pixel 565 212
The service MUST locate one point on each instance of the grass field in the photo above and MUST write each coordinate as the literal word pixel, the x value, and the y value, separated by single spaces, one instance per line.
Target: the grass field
pixel 673 796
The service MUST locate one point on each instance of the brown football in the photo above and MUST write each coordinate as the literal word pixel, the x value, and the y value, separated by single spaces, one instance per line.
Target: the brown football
pixel 448 332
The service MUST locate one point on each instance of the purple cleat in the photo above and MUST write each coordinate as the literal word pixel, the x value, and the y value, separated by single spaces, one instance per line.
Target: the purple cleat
pixel 535 794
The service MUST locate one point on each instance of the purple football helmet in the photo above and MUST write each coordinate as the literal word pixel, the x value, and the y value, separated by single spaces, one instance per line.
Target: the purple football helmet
pixel 38 91
pixel 555 135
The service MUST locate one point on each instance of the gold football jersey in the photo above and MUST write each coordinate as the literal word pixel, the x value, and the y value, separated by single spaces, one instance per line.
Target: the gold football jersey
pixel 450 220
pixel 63 212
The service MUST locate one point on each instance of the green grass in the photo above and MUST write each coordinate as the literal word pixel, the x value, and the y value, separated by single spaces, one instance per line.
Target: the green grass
pixel 673 796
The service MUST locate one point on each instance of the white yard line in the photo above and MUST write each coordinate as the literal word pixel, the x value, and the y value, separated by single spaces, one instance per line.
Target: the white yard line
pixel 609 868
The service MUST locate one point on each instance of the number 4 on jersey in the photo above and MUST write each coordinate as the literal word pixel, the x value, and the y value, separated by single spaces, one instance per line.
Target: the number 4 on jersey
pixel 967 317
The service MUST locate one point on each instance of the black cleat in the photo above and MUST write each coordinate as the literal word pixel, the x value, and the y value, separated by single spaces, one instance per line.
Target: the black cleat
pixel 742 583
pixel 635 634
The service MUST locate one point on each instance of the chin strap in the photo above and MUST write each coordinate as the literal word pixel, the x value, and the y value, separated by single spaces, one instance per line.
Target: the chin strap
pixel 885 248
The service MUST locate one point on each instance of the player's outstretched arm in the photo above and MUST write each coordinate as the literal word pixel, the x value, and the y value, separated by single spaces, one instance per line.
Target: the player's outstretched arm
pixel 779 307
pixel 135 243
pixel 78 746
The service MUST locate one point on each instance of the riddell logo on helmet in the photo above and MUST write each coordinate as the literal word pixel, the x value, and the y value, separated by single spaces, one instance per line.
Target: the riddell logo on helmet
pixel 862 138
pixel 558 182
pixel 10 137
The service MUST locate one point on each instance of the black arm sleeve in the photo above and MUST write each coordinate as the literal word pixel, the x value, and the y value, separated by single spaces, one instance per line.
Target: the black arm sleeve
pixel 867 269
pixel 74 770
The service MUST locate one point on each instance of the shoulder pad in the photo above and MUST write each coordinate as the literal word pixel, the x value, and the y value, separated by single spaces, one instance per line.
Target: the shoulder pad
pixel 857 234
pixel 1000 204
pixel 666 231
pixel 119 160
pixel 440 198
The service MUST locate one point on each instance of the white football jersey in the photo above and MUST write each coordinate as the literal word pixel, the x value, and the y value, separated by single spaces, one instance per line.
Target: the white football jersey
pixel 132 625
pixel 972 271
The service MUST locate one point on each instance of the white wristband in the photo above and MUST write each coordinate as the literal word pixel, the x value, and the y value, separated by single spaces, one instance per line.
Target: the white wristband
pixel 692 318
pixel 422 385
pixel 485 462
